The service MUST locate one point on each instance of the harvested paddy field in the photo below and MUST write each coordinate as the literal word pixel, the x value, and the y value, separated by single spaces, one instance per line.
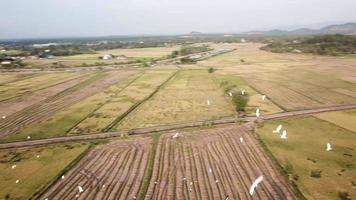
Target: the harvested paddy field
pixel 214 164
pixel 23 86
pixel 34 168
pixel 110 171
pixel 13 105
pixel 345 119
pixel 98 112
pixel 184 98
pixel 319 174
pixel 292 81
pixel 49 106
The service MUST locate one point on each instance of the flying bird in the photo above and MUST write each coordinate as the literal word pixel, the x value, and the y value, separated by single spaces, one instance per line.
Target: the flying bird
pixel 242 92
pixel 208 102
pixel 328 147
pixel 210 170
pixel 4 117
pixel 241 140
pixel 28 137
pixel 80 189
pixel 13 166
pixel 175 135
pixel 263 97
pixel 254 184
pixel 17 181
pixel 284 134
pixel 230 93
pixel 278 129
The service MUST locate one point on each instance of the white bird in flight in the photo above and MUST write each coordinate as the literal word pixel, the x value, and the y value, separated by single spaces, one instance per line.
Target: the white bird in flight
pixel 28 137
pixel 284 134
pixel 278 129
pixel 210 170
pixel 243 92
pixel 80 189
pixel 328 147
pixel 230 93
pixel 62 177
pixel 13 166
pixel 175 135
pixel 263 97
pixel 17 181
pixel 4 117
pixel 208 102
pixel 241 140
pixel 257 112
pixel 254 184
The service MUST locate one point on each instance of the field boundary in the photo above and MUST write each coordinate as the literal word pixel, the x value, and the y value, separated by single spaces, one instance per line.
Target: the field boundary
pixel 133 107
pixel 279 167
pixel 80 121
pixel 43 189
pixel 230 120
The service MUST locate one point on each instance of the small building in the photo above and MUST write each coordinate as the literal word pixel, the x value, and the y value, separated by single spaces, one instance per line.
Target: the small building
pixel 243 40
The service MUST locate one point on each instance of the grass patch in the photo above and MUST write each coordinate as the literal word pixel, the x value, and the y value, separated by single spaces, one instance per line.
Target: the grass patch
pixel 149 170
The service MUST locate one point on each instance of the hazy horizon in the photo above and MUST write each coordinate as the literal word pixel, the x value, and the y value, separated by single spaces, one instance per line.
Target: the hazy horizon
pixel 90 18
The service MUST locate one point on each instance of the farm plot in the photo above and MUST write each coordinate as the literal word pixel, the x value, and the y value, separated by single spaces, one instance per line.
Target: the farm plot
pixel 235 84
pixel 282 96
pixel 184 98
pixel 319 87
pixel 114 109
pixel 110 171
pixel 12 77
pixel 345 119
pixel 17 88
pixel 42 110
pixel 16 104
pixel 318 173
pixel 214 164
pixel 60 123
pixel 34 168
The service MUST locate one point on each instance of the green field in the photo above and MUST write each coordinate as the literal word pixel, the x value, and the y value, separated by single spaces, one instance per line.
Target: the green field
pixel 305 151
pixel 35 168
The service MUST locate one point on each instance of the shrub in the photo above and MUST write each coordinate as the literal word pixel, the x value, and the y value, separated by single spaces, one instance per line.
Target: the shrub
pixel 240 102
pixel 211 70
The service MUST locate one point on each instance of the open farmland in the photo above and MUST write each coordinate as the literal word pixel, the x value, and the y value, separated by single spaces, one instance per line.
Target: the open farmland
pixel 34 168
pixel 291 81
pixel 318 174
pixel 184 98
pixel 110 171
pixel 213 164
pixel 40 111
pixel 345 119
pixel 17 88
pixel 113 110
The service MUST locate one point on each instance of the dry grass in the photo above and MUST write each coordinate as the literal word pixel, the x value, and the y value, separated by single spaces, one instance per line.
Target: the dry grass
pixel 182 99
pixel 345 119
pixel 34 173
pixel 304 151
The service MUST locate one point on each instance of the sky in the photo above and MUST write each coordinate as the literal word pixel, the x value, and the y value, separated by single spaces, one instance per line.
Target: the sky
pixel 67 18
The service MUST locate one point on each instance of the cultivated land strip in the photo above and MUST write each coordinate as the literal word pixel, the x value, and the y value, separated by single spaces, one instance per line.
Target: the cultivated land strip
pixel 41 110
pixel 13 105
pixel 214 166
pixel 172 127
pixel 110 171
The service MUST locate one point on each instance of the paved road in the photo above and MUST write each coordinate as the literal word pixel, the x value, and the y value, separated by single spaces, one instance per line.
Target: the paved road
pixel 228 120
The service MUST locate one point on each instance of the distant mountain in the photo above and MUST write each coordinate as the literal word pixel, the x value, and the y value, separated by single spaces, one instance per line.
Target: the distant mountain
pixel 345 29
